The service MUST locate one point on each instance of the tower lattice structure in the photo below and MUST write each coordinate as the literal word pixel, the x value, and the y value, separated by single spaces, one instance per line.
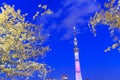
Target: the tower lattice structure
pixel 76 53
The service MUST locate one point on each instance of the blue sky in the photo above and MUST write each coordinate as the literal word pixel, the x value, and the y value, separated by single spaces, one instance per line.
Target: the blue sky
pixel 95 64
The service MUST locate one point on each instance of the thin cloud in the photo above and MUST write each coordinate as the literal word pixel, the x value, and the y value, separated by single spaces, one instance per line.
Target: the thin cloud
pixel 71 13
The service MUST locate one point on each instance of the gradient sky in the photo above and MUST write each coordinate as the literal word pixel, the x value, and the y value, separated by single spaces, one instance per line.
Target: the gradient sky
pixel 95 64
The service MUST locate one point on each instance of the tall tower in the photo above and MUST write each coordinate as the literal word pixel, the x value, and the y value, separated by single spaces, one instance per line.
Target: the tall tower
pixel 76 53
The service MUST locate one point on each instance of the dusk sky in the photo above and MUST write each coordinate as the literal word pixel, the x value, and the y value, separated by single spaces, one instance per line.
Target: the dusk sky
pixel 95 63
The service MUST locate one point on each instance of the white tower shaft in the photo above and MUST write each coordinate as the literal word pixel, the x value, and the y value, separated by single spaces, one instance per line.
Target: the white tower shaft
pixel 76 53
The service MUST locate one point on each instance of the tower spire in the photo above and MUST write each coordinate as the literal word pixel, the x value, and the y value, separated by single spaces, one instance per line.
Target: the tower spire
pixel 76 53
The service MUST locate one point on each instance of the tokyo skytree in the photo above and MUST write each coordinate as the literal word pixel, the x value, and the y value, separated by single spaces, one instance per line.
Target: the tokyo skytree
pixel 76 53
